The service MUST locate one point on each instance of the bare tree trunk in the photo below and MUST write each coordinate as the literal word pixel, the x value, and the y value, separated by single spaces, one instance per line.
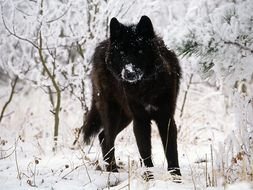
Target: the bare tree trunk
pixel 57 107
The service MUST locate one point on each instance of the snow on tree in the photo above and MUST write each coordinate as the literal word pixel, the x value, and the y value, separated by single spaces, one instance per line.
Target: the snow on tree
pixel 219 36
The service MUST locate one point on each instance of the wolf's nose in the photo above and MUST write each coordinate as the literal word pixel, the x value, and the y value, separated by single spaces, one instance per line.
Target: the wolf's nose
pixel 130 75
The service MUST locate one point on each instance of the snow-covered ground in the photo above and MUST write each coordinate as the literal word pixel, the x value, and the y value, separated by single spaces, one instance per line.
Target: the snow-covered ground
pixel 28 162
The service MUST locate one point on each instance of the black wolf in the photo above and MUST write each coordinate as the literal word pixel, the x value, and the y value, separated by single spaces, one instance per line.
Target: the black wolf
pixel 134 78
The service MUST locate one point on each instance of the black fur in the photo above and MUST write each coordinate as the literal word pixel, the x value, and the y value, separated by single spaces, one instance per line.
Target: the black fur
pixel 134 78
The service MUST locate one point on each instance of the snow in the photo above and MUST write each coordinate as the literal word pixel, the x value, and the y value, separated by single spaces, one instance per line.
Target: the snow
pixel 215 124
pixel 32 124
pixel 29 136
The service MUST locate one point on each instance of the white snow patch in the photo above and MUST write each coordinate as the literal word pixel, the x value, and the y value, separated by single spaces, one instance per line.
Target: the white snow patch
pixel 129 67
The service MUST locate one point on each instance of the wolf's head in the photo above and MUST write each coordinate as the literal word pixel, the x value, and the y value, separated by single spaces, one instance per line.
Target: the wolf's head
pixel 131 53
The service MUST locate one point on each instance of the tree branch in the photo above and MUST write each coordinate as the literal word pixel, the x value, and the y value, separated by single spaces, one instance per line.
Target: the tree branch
pixel 59 17
pixel 184 100
pixel 185 96
pixel 238 45
pixel 13 85
pixel 14 34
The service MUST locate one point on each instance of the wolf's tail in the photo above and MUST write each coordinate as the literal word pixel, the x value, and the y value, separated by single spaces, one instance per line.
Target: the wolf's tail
pixel 92 124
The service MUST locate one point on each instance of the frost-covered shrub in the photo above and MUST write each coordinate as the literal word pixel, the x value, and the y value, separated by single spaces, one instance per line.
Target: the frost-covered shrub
pixel 66 39
pixel 218 34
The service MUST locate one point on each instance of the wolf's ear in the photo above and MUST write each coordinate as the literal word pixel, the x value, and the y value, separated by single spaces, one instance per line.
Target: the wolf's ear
pixel 145 27
pixel 115 29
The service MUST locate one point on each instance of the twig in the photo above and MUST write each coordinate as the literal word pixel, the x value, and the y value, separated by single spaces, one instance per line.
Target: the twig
pixel 238 45
pixel 192 174
pixel 34 176
pixel 77 135
pixel 87 172
pixel 129 173
pixel 63 177
pixel 16 160
pixel 184 100
pixel 108 180
pixel 185 96
pixel 14 34
pixel 13 85
pixel 59 17
pixel 126 11
pixel 4 157
pixel 213 177
pixel 206 172
pixel 89 19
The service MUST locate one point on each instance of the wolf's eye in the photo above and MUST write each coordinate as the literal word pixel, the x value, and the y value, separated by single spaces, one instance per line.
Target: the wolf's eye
pixel 140 51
